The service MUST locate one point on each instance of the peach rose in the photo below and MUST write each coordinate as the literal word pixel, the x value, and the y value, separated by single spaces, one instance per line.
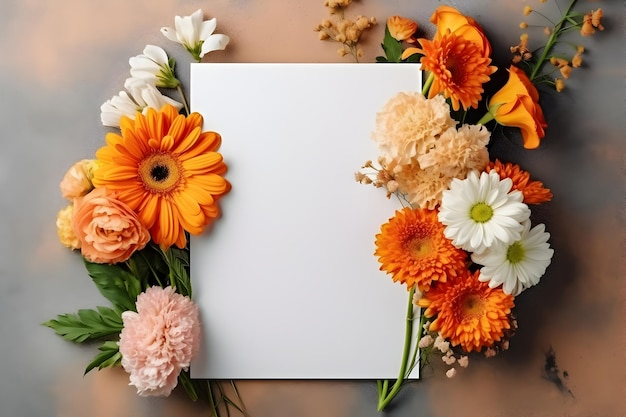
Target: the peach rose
pixel 400 28
pixel 109 231
pixel 448 18
pixel 64 228
pixel 517 105
pixel 77 180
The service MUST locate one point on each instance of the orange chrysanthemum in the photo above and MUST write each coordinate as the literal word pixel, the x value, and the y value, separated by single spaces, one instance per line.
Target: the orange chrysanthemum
pixel 469 313
pixel 167 171
pixel 412 248
pixel 459 67
pixel 534 192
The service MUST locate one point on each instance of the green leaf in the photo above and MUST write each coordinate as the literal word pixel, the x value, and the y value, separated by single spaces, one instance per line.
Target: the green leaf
pixel 392 47
pixel 381 59
pixel 109 356
pixel 148 265
pixel 178 262
pixel 116 284
pixel 87 324
pixel 185 381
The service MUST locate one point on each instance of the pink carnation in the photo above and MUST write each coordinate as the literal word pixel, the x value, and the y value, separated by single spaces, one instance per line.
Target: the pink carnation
pixel 159 340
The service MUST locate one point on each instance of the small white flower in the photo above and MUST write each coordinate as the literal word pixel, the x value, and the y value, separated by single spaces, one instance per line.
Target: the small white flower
pixel 450 373
pixel 155 67
pixel 480 212
pixel 140 95
pixel 196 35
pixel 519 265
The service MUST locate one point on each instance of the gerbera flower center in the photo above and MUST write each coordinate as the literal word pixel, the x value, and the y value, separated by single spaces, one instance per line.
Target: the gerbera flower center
pixel 515 253
pixel 160 172
pixel 420 247
pixel 472 306
pixel 481 212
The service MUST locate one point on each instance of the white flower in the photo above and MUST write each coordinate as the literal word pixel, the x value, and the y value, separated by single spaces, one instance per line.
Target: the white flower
pixel 480 212
pixel 140 95
pixel 155 67
pixel 196 35
pixel 519 265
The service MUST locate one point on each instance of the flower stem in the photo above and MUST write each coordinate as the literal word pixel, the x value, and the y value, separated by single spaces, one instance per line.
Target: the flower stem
pixel 428 83
pixel 384 397
pixel 182 96
pixel 486 118
pixel 551 41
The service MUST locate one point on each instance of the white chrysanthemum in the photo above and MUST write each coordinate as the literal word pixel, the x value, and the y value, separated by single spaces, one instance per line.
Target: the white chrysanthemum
pixel 480 212
pixel 519 265
pixel 409 124
pixel 155 67
pixel 140 95
pixel 196 35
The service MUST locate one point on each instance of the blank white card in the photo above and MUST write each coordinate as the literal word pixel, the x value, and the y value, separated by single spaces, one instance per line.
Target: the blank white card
pixel 286 280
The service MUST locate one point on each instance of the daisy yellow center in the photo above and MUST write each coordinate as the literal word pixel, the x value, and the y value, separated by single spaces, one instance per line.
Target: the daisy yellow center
pixel 481 212
pixel 515 253
pixel 160 173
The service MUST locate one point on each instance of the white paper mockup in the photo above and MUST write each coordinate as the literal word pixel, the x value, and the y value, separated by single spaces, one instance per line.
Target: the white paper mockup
pixel 286 280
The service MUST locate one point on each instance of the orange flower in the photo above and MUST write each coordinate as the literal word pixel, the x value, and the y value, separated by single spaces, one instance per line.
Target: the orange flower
pixel 412 248
pixel 517 104
pixel 533 191
pixel 459 69
pixel 591 21
pixel 469 313
pixel 400 28
pixel 108 230
pixel 77 180
pixel 448 18
pixel 167 170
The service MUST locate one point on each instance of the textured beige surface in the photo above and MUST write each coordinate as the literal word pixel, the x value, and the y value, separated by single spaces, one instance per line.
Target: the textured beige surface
pixel 62 59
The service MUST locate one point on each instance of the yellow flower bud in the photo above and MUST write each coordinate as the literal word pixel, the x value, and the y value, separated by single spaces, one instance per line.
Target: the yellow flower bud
pixel 527 10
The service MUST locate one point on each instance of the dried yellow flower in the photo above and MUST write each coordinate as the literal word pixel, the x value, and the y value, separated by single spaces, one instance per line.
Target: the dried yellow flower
pixel 559 84
pixel 527 10
pixel 523 25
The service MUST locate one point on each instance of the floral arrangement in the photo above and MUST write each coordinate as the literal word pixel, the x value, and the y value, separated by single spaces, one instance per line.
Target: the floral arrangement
pixel 158 178
pixel 464 243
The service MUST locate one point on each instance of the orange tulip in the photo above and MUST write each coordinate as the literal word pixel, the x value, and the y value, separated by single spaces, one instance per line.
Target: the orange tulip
pixel 517 105
pixel 448 18
pixel 400 28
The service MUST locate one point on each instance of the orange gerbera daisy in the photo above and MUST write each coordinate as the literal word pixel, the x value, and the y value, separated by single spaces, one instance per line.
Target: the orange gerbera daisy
pixel 469 313
pixel 167 171
pixel 412 248
pixel 534 192
pixel 459 68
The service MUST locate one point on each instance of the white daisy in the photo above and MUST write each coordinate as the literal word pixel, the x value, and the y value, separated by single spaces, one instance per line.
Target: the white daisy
pixel 519 265
pixel 140 95
pixel 196 35
pixel 480 212
pixel 155 67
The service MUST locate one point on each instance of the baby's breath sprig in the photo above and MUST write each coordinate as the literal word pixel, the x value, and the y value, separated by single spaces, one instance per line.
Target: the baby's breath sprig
pixel 534 62
pixel 340 29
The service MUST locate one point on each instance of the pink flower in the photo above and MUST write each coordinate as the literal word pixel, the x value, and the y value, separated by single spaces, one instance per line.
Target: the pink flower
pixel 109 231
pixel 159 340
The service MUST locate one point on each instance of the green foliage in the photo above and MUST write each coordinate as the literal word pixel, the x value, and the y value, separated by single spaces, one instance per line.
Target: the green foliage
pixel 178 262
pixel 109 356
pixel 392 47
pixel 87 325
pixel 116 284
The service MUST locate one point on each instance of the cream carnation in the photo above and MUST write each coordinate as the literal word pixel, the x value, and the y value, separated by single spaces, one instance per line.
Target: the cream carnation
pixel 457 152
pixel 159 340
pixel 409 124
